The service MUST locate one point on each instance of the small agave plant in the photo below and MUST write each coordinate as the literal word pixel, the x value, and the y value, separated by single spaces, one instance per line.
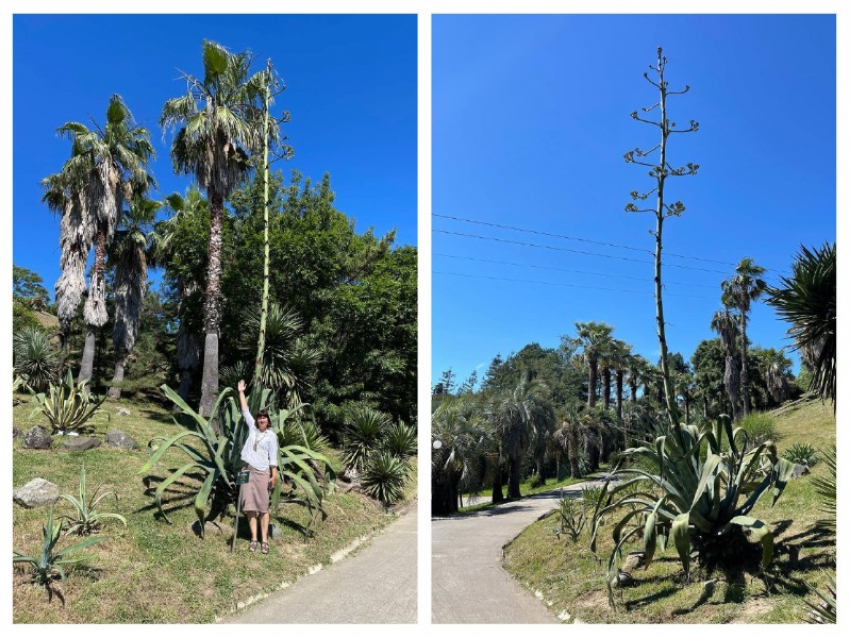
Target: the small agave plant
pixel 699 495
pixel 86 518
pixel 49 567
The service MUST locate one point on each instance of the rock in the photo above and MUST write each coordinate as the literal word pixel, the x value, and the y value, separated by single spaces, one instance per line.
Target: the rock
pixel 37 438
pixel 350 475
pixel 117 438
pixel 623 579
pixel 799 470
pixel 81 444
pixel 275 531
pixel 123 411
pixel 36 492
pixel 635 560
pixel 15 432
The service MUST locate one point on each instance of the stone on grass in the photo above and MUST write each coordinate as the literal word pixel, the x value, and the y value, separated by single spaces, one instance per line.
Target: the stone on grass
pixel 123 411
pixel 799 470
pixel 81 443
pixel 35 493
pixel 211 528
pixel 37 438
pixel 634 560
pixel 117 438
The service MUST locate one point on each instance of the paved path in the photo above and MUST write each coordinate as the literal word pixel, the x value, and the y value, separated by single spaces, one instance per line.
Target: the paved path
pixel 376 585
pixel 468 584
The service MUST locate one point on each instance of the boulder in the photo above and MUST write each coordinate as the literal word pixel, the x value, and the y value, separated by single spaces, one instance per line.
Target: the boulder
pixel 123 411
pixel 81 443
pixel 799 470
pixel 119 439
pixel 35 493
pixel 213 528
pixel 37 438
pixel 635 560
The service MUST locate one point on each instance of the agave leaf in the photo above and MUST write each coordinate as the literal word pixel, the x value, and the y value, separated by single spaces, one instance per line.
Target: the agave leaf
pixel 160 452
pixel 649 537
pixel 202 498
pixel 78 546
pixel 680 533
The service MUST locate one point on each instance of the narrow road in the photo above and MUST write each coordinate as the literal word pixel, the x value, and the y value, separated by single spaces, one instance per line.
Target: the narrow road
pixel 468 584
pixel 376 585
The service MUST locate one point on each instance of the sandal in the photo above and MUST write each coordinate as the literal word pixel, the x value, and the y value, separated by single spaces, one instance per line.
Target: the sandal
pixel 252 546
pixel 265 547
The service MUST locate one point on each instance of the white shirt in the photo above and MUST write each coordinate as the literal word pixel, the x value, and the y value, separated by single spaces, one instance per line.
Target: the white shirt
pixel 260 450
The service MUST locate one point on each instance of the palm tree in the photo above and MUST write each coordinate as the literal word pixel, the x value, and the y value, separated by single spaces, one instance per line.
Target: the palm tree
pixel 65 194
pixel 807 299
pixel 568 436
pixel 774 367
pixel 725 324
pixel 221 125
pixel 620 358
pixel 594 339
pixel 520 415
pixel 637 367
pixel 117 159
pixel 744 288
pixel 185 273
pixel 457 425
pixel 130 253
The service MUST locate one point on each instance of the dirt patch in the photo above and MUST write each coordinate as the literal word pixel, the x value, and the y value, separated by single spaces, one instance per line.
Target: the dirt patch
pixel 591 600
pixel 752 609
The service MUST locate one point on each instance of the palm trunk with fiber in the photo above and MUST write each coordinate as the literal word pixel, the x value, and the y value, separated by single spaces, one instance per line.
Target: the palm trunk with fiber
pixel 212 308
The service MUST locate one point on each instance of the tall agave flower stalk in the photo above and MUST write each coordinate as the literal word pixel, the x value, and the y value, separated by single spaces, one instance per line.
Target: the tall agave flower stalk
pixel 660 171
pixel 261 343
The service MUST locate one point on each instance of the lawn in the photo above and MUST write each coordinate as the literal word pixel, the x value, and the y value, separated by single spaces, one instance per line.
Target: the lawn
pixel 569 577
pixel 155 572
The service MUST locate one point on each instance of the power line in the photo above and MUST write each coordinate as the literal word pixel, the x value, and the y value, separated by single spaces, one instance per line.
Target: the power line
pixel 585 240
pixel 549 283
pixel 571 250
pixel 583 272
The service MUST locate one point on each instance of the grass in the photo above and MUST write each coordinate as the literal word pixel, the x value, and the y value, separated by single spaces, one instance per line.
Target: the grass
pixel 156 572
pixel 570 577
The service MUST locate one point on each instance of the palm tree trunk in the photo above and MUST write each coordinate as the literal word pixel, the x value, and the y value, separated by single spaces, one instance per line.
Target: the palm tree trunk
pixel 212 307
pixel 118 376
pixel 606 387
pixel 185 383
pixel 87 363
pixel 513 479
pixel 591 386
pixel 634 388
pixel 745 374
pixel 619 395
pixel 497 495
pixel 573 452
pixel 730 377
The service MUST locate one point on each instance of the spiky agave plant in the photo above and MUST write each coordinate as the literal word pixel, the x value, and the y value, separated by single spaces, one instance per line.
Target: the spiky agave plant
pixel 400 440
pixel 692 497
pixel 86 518
pixel 217 456
pixel 49 566
pixel 68 406
pixel 365 433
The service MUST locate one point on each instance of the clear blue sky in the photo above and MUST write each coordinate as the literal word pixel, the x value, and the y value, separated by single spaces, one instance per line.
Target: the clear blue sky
pixel 530 124
pixel 351 90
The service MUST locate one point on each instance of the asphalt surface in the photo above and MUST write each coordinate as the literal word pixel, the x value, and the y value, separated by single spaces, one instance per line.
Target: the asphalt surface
pixel 375 585
pixel 468 583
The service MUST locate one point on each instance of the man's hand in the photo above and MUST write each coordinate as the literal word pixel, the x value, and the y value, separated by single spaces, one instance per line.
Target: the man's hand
pixel 241 386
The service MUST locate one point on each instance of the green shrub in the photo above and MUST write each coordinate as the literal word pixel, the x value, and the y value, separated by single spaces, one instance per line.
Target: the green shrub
pixel 384 476
pixel 69 406
pixel 693 500
pixel 400 440
pixel 365 432
pixel 23 317
pixel 802 453
pixel 86 519
pixel 759 427
pixel 35 357
pixel 49 567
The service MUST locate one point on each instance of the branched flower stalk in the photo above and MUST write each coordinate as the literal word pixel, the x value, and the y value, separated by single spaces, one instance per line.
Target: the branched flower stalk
pixel 660 171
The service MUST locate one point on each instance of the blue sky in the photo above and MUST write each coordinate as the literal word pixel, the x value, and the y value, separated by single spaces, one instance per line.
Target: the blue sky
pixel 351 89
pixel 530 124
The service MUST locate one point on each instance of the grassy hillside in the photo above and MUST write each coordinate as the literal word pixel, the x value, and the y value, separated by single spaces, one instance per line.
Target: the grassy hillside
pixel 568 575
pixel 156 572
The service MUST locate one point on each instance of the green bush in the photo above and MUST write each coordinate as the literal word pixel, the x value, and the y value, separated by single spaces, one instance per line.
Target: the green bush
pixel 384 476
pixel 759 427
pixel 35 357
pixel 400 440
pixel 365 432
pixel 802 453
